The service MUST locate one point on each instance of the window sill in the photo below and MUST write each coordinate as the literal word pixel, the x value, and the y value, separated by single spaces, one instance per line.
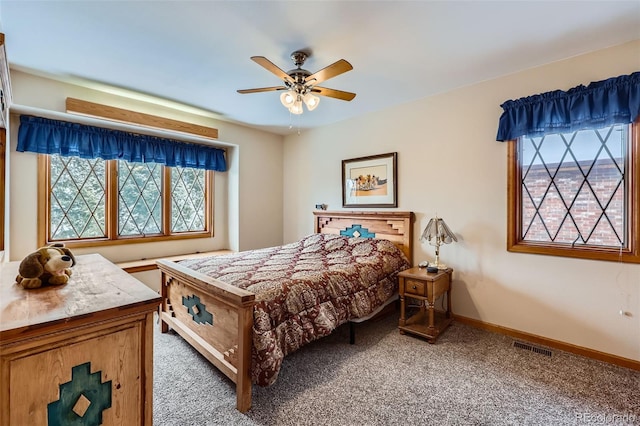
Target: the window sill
pixel 150 264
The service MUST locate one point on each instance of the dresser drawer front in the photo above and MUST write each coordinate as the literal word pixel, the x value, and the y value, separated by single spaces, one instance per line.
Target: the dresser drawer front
pixel 415 287
pixel 104 374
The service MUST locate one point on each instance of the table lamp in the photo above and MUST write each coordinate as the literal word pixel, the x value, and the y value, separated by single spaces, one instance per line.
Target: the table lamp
pixel 436 233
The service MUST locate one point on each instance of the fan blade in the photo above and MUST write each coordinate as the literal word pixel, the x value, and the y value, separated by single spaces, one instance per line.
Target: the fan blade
pixel 270 66
pixel 333 93
pixel 331 71
pixel 262 89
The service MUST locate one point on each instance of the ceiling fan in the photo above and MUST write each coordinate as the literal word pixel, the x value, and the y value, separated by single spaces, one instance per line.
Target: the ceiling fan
pixel 301 85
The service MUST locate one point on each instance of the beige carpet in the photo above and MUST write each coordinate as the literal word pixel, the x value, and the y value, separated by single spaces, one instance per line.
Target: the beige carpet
pixel 469 377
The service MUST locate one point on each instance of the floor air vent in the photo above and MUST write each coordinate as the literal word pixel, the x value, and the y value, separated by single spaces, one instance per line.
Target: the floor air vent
pixel 532 348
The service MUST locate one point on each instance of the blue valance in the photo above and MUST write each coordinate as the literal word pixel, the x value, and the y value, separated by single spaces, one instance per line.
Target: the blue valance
pixel 46 136
pixel 600 104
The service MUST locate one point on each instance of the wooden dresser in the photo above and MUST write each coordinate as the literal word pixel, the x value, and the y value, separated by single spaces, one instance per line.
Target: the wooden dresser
pixel 81 353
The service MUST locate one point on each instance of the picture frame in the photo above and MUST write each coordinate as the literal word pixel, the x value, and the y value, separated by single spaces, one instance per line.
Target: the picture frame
pixel 370 181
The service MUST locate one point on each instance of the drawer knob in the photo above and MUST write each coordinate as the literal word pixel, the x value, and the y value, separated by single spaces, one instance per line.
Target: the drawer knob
pixel 414 287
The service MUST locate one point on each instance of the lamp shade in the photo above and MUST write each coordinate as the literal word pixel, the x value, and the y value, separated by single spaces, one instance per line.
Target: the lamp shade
pixel 437 233
pixel 296 108
pixel 288 98
pixel 311 101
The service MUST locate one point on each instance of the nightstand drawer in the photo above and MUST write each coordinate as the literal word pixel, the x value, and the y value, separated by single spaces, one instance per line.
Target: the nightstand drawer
pixel 415 287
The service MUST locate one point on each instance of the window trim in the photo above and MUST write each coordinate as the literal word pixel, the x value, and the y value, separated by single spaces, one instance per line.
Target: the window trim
pixel 111 220
pixel 3 171
pixel 514 212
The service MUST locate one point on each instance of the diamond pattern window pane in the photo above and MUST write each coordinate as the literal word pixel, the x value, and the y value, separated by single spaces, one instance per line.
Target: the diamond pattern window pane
pixel 528 211
pixel 573 187
pixel 77 201
pixel 139 198
pixel 552 211
pixel 187 199
pixel 536 230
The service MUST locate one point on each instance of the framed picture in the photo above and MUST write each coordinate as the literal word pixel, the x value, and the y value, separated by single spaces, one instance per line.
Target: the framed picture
pixel 370 181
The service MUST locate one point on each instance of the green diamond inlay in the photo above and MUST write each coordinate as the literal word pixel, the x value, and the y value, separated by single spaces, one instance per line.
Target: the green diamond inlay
pixel 82 400
pixel 357 231
pixel 197 310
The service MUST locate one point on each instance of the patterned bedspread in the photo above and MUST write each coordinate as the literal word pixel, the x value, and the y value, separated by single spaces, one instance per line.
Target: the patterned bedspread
pixel 305 290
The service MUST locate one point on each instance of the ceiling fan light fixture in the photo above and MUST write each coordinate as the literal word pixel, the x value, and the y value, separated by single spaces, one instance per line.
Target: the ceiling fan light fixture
pixel 298 83
pixel 288 98
pixel 311 101
pixel 296 108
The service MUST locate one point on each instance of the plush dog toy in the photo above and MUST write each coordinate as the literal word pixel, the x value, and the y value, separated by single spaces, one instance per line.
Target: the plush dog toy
pixel 47 266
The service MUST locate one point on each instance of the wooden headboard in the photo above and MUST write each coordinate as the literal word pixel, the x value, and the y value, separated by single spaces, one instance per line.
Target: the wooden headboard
pixel 394 226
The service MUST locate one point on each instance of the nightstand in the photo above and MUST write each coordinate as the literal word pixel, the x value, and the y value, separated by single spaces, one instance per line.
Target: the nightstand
pixel 416 283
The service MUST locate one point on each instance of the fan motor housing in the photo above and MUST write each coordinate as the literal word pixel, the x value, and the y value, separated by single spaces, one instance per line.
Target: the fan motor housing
pixel 298 74
pixel 299 57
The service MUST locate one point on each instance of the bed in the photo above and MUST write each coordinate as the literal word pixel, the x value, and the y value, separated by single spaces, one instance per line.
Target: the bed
pixel 246 311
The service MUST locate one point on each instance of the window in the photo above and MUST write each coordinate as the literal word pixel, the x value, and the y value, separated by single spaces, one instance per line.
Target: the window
pixel 95 201
pixel 576 194
pixel 100 185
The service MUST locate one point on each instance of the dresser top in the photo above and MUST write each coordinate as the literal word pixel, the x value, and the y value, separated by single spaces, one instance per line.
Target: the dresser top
pixel 97 290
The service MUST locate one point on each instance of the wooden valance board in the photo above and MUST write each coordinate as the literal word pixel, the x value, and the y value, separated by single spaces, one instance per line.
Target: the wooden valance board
pixel 91 109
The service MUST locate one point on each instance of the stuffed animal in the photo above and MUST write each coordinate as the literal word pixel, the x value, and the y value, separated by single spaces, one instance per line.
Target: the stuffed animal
pixel 47 266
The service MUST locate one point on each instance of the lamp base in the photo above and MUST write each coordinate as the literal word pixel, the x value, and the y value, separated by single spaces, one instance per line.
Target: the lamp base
pixel 438 265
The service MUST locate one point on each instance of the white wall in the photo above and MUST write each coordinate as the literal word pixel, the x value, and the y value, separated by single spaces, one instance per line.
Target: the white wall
pixel 450 163
pixel 252 154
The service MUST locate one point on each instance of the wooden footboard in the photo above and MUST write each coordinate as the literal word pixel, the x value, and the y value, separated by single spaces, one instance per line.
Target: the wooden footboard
pixel 215 318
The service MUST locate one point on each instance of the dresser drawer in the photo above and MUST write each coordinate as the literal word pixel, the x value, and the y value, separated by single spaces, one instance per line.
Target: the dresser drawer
pixel 415 287
pixel 99 378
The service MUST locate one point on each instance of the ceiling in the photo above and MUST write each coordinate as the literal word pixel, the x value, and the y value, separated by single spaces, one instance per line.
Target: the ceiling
pixel 196 53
